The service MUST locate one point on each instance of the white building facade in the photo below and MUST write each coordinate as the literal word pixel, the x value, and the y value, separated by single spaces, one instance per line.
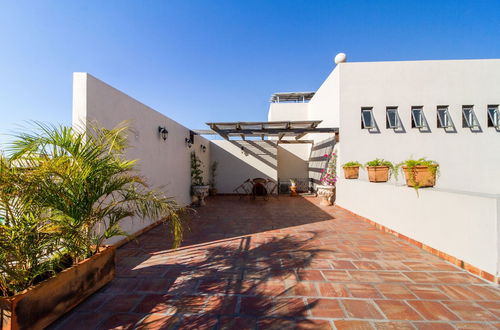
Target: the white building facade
pixel 460 215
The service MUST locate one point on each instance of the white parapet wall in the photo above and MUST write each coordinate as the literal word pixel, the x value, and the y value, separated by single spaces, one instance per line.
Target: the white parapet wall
pixel 164 164
pixel 463 225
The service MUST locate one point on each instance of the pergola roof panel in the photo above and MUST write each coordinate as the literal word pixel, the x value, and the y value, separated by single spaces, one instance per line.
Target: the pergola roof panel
pixel 279 129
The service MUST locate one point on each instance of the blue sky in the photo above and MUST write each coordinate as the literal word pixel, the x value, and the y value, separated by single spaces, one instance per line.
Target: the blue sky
pixel 199 61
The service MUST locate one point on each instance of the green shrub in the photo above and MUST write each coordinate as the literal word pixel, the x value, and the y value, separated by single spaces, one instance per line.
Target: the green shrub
pixel 412 163
pixel 67 193
pixel 383 162
pixel 196 171
pixel 353 164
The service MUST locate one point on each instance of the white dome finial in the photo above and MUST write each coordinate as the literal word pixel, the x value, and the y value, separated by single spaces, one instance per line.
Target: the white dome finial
pixel 340 58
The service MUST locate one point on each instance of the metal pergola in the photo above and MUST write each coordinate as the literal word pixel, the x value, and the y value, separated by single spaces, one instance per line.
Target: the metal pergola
pixel 282 131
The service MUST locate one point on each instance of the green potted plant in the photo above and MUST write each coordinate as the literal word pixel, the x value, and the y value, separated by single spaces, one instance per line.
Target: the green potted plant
pixel 351 169
pixel 420 172
pixel 213 173
pixel 63 193
pixel 379 170
pixel 199 190
pixel 293 187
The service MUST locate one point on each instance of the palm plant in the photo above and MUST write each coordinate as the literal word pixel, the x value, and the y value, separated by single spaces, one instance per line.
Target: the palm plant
pixel 27 240
pixel 82 175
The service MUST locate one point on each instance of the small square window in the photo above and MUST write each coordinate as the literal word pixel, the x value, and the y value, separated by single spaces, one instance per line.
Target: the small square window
pixel 469 117
pixel 392 118
pixel 443 116
pixel 417 117
pixel 493 116
pixel 367 120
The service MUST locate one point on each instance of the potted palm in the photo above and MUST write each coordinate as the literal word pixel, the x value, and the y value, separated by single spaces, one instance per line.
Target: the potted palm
pixel 199 190
pixel 293 187
pixel 420 172
pixel 351 169
pixel 64 192
pixel 379 170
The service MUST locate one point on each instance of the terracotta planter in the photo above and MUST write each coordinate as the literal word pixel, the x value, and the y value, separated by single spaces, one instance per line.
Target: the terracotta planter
pixel 351 172
pixel 293 191
pixel 420 176
pixel 378 173
pixel 39 306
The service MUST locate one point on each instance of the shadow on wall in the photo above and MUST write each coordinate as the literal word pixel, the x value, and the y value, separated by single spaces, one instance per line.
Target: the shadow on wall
pixel 317 162
pixel 233 171
pixel 260 151
pixel 290 165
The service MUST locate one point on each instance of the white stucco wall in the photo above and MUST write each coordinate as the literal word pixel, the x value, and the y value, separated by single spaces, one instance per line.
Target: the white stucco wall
pixel 463 225
pixel 326 101
pixel 460 216
pixel 293 161
pixel 165 164
pixel 468 160
pixel 258 161
pixel 287 111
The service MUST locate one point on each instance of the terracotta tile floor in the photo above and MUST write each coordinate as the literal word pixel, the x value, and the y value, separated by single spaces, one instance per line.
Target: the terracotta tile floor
pixel 284 264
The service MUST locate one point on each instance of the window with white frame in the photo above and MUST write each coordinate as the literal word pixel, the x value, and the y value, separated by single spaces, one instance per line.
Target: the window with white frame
pixel 443 117
pixel 392 118
pixel 469 117
pixel 493 116
pixel 417 117
pixel 367 120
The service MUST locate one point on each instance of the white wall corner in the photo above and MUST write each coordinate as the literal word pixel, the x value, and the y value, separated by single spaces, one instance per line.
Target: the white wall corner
pixel 79 106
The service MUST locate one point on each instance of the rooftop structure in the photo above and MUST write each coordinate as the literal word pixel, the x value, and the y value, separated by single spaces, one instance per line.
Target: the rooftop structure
pixel 292 97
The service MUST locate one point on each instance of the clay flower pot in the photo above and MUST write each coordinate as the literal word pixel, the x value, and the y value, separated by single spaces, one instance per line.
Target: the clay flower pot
pixel 351 172
pixel 378 173
pixel 420 176
pixel 293 191
pixel 42 304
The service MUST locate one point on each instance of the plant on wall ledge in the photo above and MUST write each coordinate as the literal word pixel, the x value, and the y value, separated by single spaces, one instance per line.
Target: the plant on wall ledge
pixel 380 170
pixel 351 169
pixel 420 173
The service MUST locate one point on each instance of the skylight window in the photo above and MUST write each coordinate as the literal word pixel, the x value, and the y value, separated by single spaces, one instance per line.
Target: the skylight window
pixel 367 120
pixel 493 116
pixel 392 118
pixel 417 117
pixel 469 117
pixel 443 116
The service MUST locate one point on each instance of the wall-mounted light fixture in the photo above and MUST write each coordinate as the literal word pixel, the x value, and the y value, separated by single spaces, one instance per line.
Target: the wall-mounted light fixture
pixel 189 143
pixel 163 132
pixel 203 148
